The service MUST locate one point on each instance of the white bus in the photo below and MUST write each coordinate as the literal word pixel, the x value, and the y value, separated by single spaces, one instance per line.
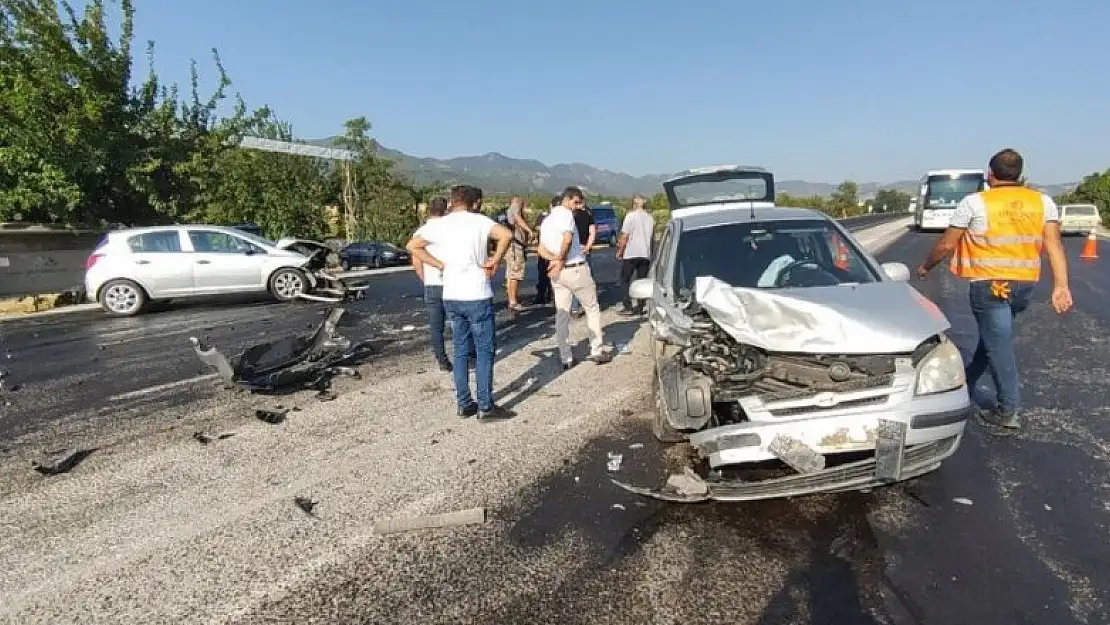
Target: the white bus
pixel 939 193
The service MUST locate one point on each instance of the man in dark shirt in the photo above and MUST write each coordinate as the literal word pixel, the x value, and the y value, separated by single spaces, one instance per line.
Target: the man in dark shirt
pixel 587 232
pixel 543 281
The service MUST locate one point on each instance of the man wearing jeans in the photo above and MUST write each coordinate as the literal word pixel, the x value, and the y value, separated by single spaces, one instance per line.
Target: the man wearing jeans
pixel 995 239
pixel 433 287
pixel 570 277
pixel 634 250
pixel 461 240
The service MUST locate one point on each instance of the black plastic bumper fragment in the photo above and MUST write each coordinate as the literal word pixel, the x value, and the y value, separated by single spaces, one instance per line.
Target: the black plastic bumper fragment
pixel 937 419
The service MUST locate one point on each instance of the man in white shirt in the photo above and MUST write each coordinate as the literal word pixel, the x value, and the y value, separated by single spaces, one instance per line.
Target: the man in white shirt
pixel 570 276
pixel 460 240
pixel 634 250
pixel 433 287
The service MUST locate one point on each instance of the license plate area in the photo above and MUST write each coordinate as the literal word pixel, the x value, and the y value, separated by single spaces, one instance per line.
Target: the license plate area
pixel 796 454
pixel 890 447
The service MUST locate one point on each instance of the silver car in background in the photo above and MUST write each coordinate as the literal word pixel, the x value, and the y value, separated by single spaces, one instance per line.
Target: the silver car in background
pixel 131 268
pixel 776 338
pixel 1079 219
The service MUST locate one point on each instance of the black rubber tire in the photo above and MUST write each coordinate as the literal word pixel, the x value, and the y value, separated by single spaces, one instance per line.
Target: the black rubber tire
pixel 282 294
pixel 112 288
pixel 660 427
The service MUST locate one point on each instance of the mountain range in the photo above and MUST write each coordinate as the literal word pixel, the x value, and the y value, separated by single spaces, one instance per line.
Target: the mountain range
pixel 497 173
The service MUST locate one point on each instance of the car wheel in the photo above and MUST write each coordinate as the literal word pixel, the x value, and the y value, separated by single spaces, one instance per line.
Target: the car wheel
pixel 660 427
pixel 286 284
pixel 122 298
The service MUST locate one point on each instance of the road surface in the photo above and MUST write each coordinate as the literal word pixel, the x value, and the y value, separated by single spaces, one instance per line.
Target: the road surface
pixel 154 527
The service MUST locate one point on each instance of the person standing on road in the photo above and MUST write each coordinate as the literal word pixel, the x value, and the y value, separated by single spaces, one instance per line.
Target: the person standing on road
pixel 543 281
pixel 516 258
pixel 995 239
pixel 634 249
pixel 461 239
pixel 433 286
pixel 570 277
pixel 587 235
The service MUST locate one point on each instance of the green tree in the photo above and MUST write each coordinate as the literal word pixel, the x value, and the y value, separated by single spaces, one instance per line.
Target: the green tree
pixel 378 203
pixel 891 201
pixel 844 202
pixel 1092 189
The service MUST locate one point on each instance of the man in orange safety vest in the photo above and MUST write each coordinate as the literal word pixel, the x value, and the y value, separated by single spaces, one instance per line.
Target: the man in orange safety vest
pixel 995 239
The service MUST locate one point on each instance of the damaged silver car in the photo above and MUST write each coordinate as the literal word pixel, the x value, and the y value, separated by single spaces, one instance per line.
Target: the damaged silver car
pixel 789 358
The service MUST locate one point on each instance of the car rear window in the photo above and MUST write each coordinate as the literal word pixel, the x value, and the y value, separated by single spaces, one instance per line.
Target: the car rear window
pixel 155 242
pixel 1080 211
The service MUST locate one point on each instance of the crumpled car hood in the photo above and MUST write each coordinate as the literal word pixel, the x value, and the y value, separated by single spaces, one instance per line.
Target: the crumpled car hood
pixel 875 318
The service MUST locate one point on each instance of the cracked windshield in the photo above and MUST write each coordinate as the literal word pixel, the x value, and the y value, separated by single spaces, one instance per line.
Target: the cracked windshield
pixel 493 330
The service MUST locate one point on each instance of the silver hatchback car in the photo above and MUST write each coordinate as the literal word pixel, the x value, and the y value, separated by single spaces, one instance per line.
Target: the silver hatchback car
pixel 776 338
pixel 130 268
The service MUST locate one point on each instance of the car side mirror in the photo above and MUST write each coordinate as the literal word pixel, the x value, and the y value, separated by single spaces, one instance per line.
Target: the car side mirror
pixel 641 289
pixel 249 251
pixel 898 272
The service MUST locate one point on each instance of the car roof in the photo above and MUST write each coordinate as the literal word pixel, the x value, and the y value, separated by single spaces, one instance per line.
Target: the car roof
pixel 130 232
pixel 725 216
pixel 715 169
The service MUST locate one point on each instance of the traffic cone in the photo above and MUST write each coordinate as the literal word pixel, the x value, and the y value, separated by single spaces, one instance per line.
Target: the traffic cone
pixel 1090 249
pixel 841 255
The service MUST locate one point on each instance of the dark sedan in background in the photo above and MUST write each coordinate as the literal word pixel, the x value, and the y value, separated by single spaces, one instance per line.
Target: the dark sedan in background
pixel 373 254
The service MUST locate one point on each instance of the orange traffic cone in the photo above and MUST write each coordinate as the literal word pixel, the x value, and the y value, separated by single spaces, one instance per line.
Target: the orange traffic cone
pixel 1090 251
pixel 841 255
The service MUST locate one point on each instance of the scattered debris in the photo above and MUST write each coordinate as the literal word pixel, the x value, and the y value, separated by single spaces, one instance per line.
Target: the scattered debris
pixel 326 395
pixel 292 363
pixel 473 516
pixel 687 483
pixel 305 504
pixel 62 462
pixel 204 439
pixel 618 506
pixel 408 328
pixel 1048 507
pixel 963 501
pixel 615 461
pixel 626 412
pixel 624 348
pixel 272 417
pixel 636 446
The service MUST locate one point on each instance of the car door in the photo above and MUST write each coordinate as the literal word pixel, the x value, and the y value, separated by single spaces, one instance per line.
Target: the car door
pixel 159 264
pixel 225 263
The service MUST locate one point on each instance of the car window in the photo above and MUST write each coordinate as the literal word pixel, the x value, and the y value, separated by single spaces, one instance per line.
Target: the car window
pixel 659 263
pixel 220 243
pixel 1080 211
pixel 155 242
pixel 782 254
pixel 606 214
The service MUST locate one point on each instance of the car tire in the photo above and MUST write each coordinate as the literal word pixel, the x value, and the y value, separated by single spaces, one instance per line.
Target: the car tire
pixel 287 283
pixel 660 427
pixel 122 298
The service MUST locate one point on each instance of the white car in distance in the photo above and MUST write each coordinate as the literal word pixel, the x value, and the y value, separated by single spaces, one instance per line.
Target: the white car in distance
pixel 132 267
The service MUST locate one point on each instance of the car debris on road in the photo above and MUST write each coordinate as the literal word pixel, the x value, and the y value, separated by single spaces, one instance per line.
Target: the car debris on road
pixel 62 462
pixel 291 363
pixel 472 516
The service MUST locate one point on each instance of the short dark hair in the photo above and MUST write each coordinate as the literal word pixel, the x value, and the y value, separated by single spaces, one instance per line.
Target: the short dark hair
pixel 557 200
pixel 460 194
pixel 573 192
pixel 1006 165
pixel 437 207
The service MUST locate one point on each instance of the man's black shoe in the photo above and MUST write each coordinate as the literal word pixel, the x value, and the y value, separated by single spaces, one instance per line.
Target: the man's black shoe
pixel 495 413
pixel 446 366
pixel 601 358
pixel 469 411
pixel 1000 419
pixel 567 366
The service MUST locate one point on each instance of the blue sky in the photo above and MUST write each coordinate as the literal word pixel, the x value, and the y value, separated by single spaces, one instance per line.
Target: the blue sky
pixel 872 90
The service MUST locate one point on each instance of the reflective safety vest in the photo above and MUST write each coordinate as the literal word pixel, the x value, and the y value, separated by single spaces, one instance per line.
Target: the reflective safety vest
pixel 1010 247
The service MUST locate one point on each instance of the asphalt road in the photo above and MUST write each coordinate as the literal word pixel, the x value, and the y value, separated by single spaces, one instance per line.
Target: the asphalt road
pixel 1013 529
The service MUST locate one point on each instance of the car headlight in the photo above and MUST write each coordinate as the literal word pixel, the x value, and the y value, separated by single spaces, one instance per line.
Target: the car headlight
pixel 942 370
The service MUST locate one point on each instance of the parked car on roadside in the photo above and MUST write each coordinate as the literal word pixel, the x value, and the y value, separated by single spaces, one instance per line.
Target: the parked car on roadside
pixel 608 228
pixel 1079 218
pixel 373 254
pixel 130 268
pixel 775 337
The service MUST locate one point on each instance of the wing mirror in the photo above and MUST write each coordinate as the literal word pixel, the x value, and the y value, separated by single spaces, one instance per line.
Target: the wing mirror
pixel 641 289
pixel 898 272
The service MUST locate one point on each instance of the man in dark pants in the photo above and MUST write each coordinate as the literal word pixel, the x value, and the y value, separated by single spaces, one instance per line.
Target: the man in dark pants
pixel 587 235
pixel 461 238
pixel 544 294
pixel 433 287
pixel 634 250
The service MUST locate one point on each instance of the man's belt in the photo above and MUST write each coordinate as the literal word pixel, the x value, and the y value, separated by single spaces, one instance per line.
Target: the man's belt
pixel 575 264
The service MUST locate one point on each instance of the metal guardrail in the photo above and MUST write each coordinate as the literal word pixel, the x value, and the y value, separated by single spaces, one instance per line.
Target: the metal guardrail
pixel 860 222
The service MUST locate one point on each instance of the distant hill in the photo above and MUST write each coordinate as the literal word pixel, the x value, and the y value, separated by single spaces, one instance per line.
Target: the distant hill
pixel 496 172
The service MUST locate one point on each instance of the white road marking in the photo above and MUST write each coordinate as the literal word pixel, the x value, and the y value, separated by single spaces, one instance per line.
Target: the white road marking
pixel 161 387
